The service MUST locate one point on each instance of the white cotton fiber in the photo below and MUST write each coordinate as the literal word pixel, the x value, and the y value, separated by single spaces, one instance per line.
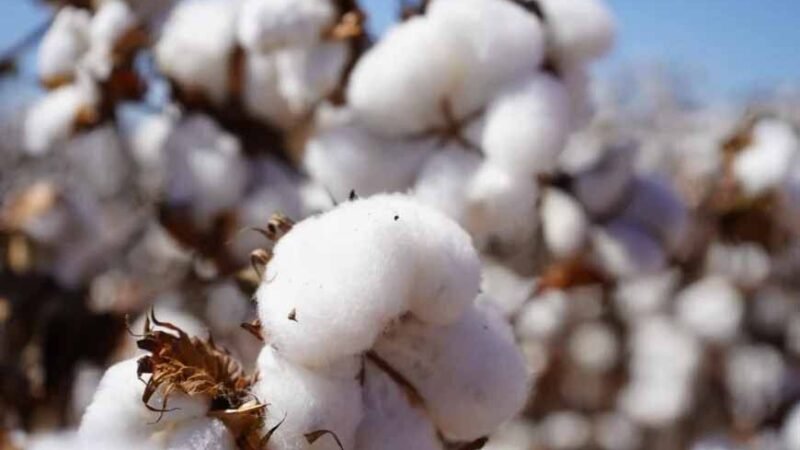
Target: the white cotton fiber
pixel 203 433
pixel 64 44
pixel 199 61
pixel 754 376
pixel 117 408
pixel 308 401
pixel 790 432
pixel 564 223
pixel 766 163
pixel 505 289
pixel 644 295
pixel 52 119
pixel 391 421
pixel 579 30
pixel 444 179
pixel 470 374
pixel 306 75
pixel 109 25
pixel 343 156
pixel 602 186
pixel 261 95
pixel 747 263
pixel 625 249
pixel 543 317
pixel 655 205
pixel 712 308
pixel 265 25
pixel 338 279
pixel 501 206
pixel 527 126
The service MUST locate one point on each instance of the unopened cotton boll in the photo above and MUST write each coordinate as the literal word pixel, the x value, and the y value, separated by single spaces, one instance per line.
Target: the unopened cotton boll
pixel 265 25
pixel 527 126
pixel 64 45
pixel 579 30
pixel 343 157
pixel 338 279
pixel 712 308
pixel 442 181
pixel 201 434
pixel 52 119
pixel 470 374
pixel 199 62
pixel 564 223
pixel 307 400
pixel 626 250
pixel 309 74
pixel 501 206
pixel 766 163
pixel 391 421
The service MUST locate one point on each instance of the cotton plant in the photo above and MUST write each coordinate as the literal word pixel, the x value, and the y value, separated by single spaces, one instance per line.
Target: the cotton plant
pixel 466 105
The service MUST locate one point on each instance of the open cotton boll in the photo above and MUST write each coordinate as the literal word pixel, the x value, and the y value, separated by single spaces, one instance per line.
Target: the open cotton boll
pixel 579 30
pixel 110 23
pixel 543 317
pixel 501 206
pixel 398 86
pixel 64 45
pixel 117 408
pixel 344 157
pixel 470 374
pixel 601 187
pixel 307 401
pixel 200 434
pixel 765 164
pixel 338 279
pixel 624 249
pixel 261 96
pixel 505 290
pixel 754 376
pixel 146 144
pixel 52 119
pixel 656 206
pixel 507 43
pixel 645 294
pixel 206 168
pixel 391 422
pixel 564 223
pixel 199 61
pixel 712 308
pixel 442 182
pixel 565 430
pixel 747 264
pixel 268 24
pixel 593 346
pixel 527 126
pixel 306 75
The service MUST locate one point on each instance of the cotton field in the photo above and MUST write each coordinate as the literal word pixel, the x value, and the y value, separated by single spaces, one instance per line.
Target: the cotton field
pixel 276 225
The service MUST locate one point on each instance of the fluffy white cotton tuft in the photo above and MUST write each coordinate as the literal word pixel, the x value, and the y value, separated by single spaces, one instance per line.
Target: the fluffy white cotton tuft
pixel 505 289
pixel 110 23
pixel 338 279
pixel 564 223
pixel 443 180
pixel 261 96
pixel 391 420
pixel 64 45
pixel 308 401
pixel 579 30
pixel 754 376
pixel 543 317
pixel 52 119
pixel 766 163
pixel 747 264
pixel 656 206
pixel 625 249
pixel 199 61
pixel 203 433
pixel 527 126
pixel 712 308
pixel 265 25
pixel 470 374
pixel 309 74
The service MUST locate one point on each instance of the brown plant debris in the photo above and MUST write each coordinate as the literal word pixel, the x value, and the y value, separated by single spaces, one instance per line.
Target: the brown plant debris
pixel 194 366
pixel 313 436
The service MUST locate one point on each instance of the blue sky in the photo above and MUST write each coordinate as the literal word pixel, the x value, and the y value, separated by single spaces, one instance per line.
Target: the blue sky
pixel 737 45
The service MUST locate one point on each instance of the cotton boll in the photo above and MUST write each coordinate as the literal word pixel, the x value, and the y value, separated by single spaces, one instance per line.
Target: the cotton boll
pixel 117 408
pixel 306 75
pixel 261 96
pixel 505 290
pixel 712 308
pixel 645 295
pixel 64 45
pixel 470 374
pixel 747 264
pixel 593 347
pixel 501 206
pixel 625 250
pixel 265 25
pixel 564 223
pixel 542 317
pixel 580 30
pixel 110 23
pixel 99 158
pixel 614 431
pixel 397 87
pixel 344 157
pixel 577 82
pixel 52 119
pixel 566 430
pixel 391 421
pixel 226 308
pixel 518 434
pixel 527 126
pixel 201 434
pixel 442 182
pixel 754 376
pixel 600 187
pixel 308 401
pixel 146 145
pixel 199 62
pixel 73 441
pixel 657 206
pixel 765 164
